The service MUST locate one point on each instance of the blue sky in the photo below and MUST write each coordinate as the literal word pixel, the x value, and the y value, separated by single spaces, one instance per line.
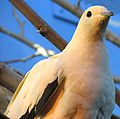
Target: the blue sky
pixel 12 49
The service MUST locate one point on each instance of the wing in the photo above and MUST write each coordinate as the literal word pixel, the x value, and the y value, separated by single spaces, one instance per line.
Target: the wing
pixel 35 90
pixel 16 92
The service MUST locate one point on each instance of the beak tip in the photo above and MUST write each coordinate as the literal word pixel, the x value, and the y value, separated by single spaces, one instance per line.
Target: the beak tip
pixel 109 13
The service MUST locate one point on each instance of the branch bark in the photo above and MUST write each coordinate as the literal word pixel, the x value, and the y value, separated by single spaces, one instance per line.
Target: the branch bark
pixel 44 29
pixel 9 78
pixel 78 12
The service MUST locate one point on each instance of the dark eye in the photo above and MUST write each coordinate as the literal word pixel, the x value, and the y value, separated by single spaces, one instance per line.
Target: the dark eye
pixel 89 14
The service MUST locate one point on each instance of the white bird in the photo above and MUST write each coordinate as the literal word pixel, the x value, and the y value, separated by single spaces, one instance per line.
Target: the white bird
pixel 75 84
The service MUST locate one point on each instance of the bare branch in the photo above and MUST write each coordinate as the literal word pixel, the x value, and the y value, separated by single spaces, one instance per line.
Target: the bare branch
pixel 113 38
pixel 71 8
pixel 18 20
pixel 35 46
pixel 39 23
pixel 9 78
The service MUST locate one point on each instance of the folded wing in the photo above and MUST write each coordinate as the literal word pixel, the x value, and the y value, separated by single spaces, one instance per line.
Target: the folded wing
pixel 35 90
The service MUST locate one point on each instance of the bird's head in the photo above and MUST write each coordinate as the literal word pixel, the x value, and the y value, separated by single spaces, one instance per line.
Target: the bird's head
pixel 95 19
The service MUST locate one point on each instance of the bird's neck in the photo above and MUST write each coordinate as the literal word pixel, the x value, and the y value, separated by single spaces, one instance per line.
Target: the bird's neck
pixel 83 38
pixel 87 48
pixel 84 35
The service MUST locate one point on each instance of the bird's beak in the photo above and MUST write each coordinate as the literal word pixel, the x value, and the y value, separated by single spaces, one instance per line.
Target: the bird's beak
pixel 108 14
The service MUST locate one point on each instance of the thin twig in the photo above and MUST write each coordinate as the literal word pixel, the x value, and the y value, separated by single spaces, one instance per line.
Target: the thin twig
pixel 22 59
pixel 18 20
pixel 35 46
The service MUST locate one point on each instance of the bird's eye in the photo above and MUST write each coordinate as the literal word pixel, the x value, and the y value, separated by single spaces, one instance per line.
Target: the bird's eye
pixel 89 14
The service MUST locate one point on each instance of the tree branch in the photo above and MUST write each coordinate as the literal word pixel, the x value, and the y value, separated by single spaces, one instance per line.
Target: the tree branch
pixel 78 12
pixel 35 46
pixel 9 78
pixel 40 24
